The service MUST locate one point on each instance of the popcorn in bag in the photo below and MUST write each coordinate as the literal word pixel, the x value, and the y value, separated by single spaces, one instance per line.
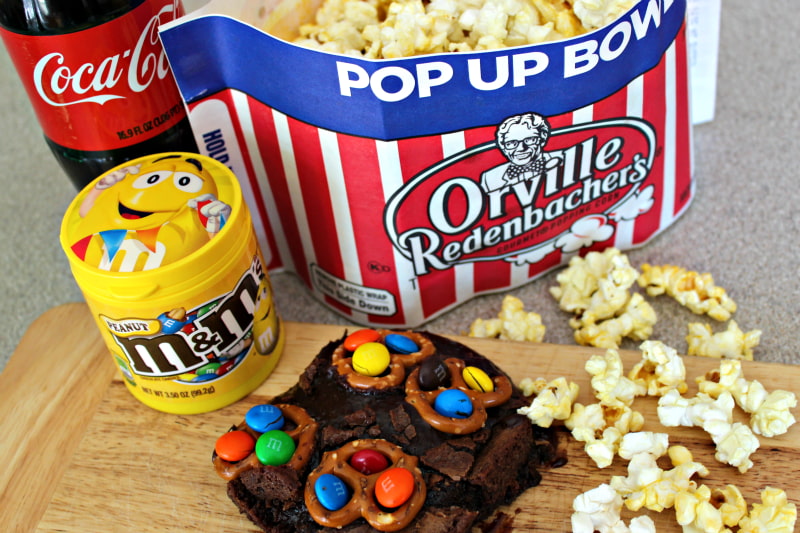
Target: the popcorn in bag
pixel 397 189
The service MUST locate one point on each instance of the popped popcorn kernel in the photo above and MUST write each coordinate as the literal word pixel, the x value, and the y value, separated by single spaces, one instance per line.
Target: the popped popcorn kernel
pixel 586 422
pixel 603 449
pixel 635 321
pixel 608 379
pixel 530 386
pixel 554 402
pixel 647 485
pixel 378 29
pixel 770 412
pixel 731 504
pixel 601 427
pixel 684 467
pixel 660 370
pixel 598 13
pixel 512 323
pixel 773 515
pixel 727 377
pixel 676 410
pixel 595 286
pixel 642 524
pixel 773 418
pixel 655 444
pixel 735 442
pixel 695 291
pixel 595 289
pixel 596 510
pixel 732 343
pixel 560 14
pixel 709 511
pixel 599 509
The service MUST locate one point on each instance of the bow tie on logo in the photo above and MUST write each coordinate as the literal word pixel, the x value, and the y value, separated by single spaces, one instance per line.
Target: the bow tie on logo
pixel 515 173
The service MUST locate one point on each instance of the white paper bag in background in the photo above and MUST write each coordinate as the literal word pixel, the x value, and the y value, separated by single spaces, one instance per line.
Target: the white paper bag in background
pixel 703 34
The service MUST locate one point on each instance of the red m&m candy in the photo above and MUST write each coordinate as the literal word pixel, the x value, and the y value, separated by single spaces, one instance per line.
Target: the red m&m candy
pixel 234 445
pixel 394 487
pixel 369 462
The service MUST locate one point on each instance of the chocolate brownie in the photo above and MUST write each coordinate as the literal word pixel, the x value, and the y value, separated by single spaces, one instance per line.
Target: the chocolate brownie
pixel 457 466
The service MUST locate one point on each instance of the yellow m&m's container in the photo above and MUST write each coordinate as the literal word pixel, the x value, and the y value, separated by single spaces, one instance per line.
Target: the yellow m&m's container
pixel 164 251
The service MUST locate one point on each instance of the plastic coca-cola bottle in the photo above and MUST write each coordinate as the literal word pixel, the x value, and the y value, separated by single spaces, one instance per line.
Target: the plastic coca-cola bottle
pixel 98 79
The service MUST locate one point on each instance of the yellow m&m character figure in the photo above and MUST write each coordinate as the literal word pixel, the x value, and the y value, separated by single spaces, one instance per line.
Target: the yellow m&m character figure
pixel 150 214
pixel 266 323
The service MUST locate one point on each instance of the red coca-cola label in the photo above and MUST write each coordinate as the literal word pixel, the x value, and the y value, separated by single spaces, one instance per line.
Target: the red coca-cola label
pixel 103 88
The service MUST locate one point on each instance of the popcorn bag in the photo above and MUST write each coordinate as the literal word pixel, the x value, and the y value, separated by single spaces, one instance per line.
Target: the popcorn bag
pixel 397 189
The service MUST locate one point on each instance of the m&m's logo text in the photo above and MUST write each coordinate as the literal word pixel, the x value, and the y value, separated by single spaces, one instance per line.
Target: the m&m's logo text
pixel 219 330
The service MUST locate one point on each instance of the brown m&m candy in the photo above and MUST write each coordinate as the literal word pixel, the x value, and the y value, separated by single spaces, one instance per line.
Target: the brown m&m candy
pixel 433 373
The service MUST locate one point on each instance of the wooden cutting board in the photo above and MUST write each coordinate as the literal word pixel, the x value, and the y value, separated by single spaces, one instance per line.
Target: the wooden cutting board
pixel 82 455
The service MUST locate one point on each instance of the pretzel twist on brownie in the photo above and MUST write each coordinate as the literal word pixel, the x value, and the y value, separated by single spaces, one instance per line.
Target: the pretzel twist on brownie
pixel 302 434
pixel 398 363
pixel 423 401
pixel 362 503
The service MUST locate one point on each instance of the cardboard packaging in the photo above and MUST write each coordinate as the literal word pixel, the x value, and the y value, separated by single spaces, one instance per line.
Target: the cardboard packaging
pixel 398 189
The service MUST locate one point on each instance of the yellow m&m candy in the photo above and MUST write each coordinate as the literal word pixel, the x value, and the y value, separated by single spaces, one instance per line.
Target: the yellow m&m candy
pixel 477 380
pixel 371 359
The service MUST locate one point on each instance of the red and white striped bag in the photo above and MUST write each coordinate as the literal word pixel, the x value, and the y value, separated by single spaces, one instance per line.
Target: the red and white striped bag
pixel 398 189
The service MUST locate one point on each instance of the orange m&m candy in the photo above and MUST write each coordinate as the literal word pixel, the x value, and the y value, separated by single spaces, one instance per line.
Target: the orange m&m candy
pixel 359 337
pixel 235 445
pixel 394 487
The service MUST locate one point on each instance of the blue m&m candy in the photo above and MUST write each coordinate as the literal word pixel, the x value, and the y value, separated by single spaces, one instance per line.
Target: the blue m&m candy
pixel 263 418
pixel 331 492
pixel 169 325
pixel 453 403
pixel 400 344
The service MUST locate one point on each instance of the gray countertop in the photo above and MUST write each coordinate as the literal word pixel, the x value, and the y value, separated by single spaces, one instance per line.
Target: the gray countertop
pixel 743 225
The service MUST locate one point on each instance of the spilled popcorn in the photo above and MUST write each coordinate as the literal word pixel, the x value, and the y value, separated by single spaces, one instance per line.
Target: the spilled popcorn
pixel 595 289
pixel 608 380
pixel 599 510
pixel 695 291
pixel 512 323
pixel 732 343
pixel 774 514
pixel 705 509
pixel 635 321
pixel 552 402
pixel 648 486
pixel 611 427
pixel 660 370
pixel 770 413
pixel 735 441
pixel 601 426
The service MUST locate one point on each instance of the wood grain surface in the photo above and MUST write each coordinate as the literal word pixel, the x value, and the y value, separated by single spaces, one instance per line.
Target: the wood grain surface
pixel 82 455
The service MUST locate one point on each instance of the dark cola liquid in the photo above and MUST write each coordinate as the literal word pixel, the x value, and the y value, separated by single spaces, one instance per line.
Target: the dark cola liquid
pixel 68 17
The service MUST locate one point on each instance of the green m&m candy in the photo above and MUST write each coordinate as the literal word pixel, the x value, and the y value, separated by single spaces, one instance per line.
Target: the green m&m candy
pixel 275 447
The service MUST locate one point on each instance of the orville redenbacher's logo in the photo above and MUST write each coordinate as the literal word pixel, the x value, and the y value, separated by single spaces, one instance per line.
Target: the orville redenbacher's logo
pixel 62 81
pixel 528 193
